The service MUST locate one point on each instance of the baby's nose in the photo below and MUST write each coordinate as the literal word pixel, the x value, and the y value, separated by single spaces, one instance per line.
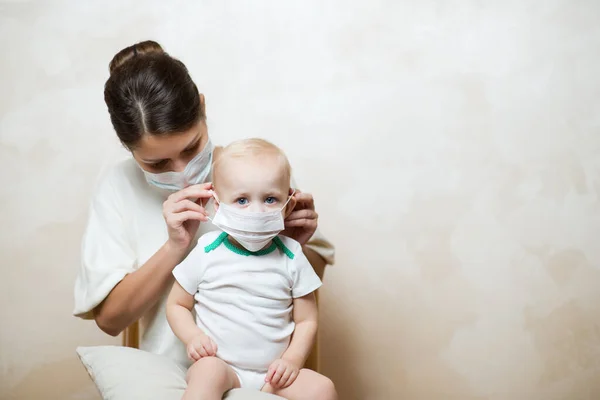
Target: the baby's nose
pixel 257 207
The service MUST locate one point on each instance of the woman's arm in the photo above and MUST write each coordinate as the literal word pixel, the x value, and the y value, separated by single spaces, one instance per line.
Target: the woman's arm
pixel 138 291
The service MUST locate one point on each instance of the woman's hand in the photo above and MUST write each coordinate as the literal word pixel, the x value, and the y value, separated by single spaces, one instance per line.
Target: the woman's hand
pixel 183 211
pixel 301 224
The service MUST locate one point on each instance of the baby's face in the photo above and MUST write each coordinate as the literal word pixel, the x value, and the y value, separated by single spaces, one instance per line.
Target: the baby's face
pixel 256 184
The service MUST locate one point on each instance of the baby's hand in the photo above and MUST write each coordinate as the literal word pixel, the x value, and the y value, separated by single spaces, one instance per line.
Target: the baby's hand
pixel 201 346
pixel 281 374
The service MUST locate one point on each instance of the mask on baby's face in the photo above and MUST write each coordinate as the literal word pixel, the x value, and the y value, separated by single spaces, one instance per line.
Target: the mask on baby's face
pixel 195 172
pixel 253 230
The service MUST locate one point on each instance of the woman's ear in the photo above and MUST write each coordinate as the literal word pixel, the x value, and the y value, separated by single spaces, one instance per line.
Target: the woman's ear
pixel 202 104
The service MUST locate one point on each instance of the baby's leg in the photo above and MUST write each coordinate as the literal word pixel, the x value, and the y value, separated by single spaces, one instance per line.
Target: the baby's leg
pixel 309 385
pixel 208 379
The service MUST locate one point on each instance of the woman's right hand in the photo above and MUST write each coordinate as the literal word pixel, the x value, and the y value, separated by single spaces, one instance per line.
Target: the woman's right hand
pixel 183 211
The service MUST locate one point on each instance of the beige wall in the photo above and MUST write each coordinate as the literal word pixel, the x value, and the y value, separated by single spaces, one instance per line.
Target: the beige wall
pixel 453 149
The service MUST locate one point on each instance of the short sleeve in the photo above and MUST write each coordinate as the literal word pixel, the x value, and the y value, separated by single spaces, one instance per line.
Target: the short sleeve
pixel 189 272
pixel 304 278
pixel 319 243
pixel 106 253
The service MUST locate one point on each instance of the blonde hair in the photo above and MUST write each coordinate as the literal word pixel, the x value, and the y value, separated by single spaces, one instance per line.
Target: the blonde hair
pixel 253 147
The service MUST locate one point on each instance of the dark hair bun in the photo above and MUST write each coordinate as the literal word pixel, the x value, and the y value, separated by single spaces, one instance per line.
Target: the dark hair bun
pixel 138 49
pixel 149 92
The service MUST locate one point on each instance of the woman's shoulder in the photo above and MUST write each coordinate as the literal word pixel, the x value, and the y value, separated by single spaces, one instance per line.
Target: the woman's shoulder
pixel 120 177
pixel 121 172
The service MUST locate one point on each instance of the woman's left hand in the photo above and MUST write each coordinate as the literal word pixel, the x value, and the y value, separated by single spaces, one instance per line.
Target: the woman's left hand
pixel 301 224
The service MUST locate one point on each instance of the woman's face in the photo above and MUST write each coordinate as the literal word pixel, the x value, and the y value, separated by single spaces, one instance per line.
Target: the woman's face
pixel 164 153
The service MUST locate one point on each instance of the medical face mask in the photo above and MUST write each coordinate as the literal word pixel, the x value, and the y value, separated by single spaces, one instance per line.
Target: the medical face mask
pixel 195 172
pixel 253 230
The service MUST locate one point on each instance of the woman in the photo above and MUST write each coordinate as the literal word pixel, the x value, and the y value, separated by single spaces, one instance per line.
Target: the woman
pixel 148 211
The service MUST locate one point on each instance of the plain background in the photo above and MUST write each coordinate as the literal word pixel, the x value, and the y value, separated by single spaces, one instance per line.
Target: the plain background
pixel 453 148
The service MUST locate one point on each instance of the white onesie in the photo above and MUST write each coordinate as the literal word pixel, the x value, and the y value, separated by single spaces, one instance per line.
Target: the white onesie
pixel 244 299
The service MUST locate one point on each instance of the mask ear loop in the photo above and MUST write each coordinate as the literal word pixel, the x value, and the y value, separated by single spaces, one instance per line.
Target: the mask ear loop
pixel 289 198
pixel 215 198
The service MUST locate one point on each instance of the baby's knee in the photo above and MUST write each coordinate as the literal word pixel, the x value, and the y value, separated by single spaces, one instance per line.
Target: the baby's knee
pixel 328 391
pixel 211 368
pixel 324 388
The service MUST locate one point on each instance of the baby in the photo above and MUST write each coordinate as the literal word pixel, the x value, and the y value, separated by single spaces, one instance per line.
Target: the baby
pixel 252 290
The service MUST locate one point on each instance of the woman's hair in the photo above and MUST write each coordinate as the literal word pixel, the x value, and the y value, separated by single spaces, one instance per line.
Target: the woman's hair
pixel 150 92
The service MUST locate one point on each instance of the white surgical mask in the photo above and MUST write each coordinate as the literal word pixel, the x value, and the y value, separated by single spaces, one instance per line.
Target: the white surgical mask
pixel 253 230
pixel 195 172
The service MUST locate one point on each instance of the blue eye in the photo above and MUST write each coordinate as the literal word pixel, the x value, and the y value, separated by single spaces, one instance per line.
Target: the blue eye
pixel 242 201
pixel 271 200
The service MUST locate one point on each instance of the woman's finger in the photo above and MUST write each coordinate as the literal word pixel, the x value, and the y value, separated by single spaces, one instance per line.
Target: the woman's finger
pixel 306 199
pixel 302 214
pixel 301 223
pixel 185 205
pixel 181 217
pixel 201 191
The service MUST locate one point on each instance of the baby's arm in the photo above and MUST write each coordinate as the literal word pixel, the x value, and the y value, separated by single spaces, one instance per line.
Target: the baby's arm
pixel 179 315
pixel 305 317
pixel 284 371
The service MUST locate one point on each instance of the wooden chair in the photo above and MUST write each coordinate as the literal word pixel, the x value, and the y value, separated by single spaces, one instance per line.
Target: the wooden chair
pixel 131 338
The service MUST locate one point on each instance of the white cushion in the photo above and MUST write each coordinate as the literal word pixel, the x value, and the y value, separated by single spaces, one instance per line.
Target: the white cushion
pixel 123 373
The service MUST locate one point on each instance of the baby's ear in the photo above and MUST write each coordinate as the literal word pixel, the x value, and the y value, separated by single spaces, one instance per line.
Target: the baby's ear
pixel 290 205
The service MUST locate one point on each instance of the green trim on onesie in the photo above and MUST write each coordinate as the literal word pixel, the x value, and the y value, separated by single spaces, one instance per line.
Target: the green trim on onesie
pixel 283 248
pixel 245 252
pixel 216 243
pixel 223 238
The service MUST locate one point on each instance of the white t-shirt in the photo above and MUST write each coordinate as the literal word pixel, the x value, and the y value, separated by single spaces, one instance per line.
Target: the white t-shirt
pixel 244 300
pixel 125 228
